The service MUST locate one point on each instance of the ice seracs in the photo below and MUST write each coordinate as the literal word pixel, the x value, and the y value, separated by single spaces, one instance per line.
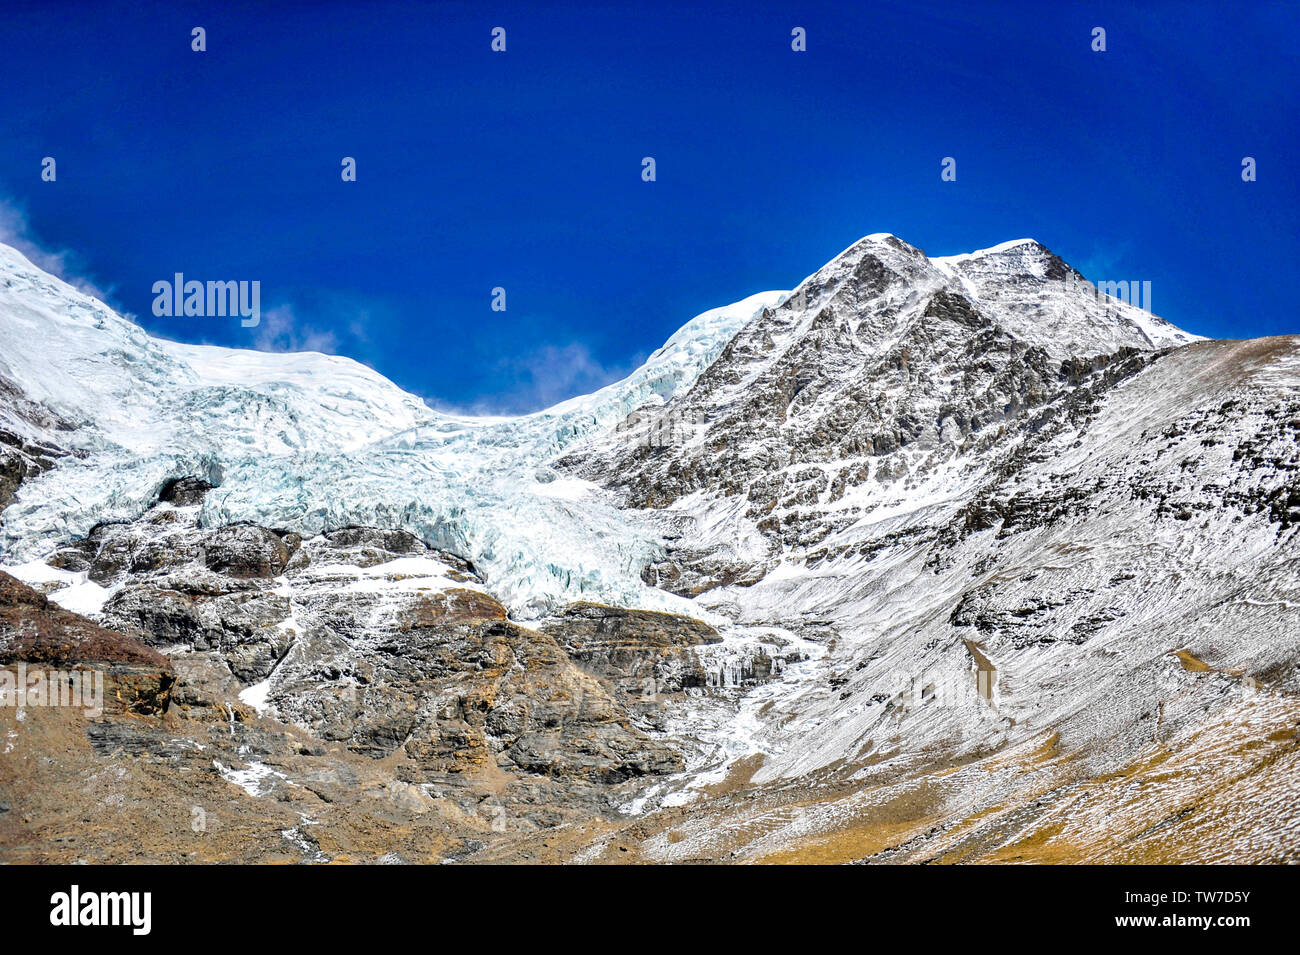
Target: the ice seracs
pixel 992 558
pixel 309 441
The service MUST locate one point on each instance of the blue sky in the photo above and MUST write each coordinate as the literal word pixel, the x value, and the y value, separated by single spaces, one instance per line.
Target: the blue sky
pixel 522 169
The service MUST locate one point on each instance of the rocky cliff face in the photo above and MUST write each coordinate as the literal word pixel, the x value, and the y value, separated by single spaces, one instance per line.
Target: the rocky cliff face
pixel 995 534
pixel 879 370
pixel 289 662
pixel 973 564
pixel 28 440
pixel 127 676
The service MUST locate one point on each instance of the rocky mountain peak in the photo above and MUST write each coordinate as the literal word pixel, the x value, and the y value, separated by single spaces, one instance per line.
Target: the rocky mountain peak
pixel 884 361
pixel 953 532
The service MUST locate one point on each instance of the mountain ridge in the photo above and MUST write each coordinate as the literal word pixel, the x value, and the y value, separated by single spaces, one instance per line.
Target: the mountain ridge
pixel 925 560
pixel 296 405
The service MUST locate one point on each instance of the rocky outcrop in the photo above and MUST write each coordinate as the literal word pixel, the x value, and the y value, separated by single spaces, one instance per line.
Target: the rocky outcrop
pixel 45 639
pixel 359 671
pixel 369 638
pixel 447 680
pixel 35 630
pixel 28 442
pixel 184 492
pixel 642 652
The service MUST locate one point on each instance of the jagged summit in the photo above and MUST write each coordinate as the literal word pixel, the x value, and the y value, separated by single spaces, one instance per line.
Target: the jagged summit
pixel 993 250
pixel 1023 286
pixel 312 442
pixel 982 556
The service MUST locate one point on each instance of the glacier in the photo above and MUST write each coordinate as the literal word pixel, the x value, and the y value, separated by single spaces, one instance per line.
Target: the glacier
pixel 1024 552
pixel 310 442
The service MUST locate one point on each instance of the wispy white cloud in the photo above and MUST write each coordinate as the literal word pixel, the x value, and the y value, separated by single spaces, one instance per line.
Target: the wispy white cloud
pixel 547 376
pixel 321 320
pixel 282 330
pixel 15 231
pixel 1103 263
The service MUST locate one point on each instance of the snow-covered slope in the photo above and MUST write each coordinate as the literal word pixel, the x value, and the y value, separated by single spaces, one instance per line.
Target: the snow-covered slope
pixel 1040 299
pixel 311 442
pixel 996 540
pixel 999 510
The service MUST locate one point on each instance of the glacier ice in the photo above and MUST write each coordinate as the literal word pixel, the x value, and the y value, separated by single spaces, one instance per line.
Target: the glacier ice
pixel 311 442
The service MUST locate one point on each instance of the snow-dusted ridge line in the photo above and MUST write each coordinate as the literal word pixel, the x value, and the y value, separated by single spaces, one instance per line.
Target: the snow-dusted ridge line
pixel 980 253
pixel 310 442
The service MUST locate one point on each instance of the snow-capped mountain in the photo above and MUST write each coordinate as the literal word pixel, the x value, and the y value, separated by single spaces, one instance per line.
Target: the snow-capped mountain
pixel 312 442
pixel 991 565
pixel 1007 511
